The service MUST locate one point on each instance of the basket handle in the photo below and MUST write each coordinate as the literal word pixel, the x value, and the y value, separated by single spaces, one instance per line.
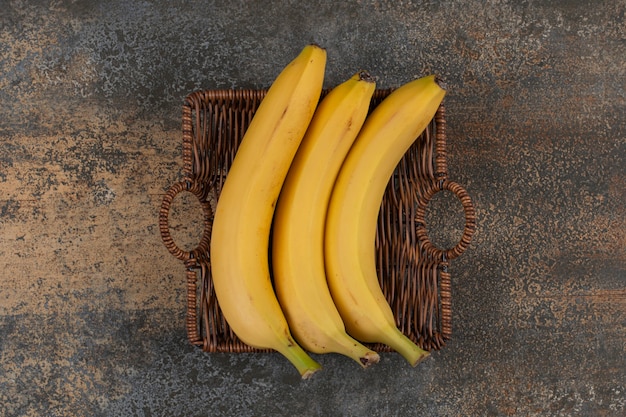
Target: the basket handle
pixel 470 221
pixel 203 247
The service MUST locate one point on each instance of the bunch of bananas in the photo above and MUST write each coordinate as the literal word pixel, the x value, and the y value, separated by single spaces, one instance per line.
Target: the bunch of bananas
pixel 292 245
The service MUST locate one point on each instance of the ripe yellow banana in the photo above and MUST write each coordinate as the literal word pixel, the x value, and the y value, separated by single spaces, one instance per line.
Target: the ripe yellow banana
pixel 353 210
pixel 243 216
pixel 298 230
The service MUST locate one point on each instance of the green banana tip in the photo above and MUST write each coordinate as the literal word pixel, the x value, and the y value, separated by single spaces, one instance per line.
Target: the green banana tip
pixel 308 373
pixel 425 354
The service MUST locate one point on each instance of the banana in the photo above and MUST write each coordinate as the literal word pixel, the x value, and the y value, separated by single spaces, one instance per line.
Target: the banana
pixel 353 210
pixel 298 230
pixel 243 215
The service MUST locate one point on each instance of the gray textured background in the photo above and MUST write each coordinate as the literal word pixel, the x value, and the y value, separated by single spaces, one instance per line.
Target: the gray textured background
pixel 92 304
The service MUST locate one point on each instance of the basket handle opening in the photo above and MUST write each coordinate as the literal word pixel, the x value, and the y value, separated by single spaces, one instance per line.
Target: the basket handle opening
pixel 470 221
pixel 203 246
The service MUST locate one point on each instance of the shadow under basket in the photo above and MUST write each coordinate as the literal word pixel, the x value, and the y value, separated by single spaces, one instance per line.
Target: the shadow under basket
pixel 414 274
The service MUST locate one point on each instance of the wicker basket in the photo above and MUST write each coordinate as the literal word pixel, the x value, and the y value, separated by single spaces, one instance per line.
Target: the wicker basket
pixel 414 273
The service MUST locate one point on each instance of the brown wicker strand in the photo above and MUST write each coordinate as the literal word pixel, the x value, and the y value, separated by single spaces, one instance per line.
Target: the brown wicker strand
pixel 187 146
pixel 446 301
pixel 192 305
pixel 441 163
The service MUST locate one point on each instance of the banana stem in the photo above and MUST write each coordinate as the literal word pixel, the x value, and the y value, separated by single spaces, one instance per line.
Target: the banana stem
pixel 405 347
pixel 368 359
pixel 358 352
pixel 305 365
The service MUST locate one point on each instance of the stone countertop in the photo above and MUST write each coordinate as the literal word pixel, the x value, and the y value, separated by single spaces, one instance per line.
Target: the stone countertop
pixel 92 304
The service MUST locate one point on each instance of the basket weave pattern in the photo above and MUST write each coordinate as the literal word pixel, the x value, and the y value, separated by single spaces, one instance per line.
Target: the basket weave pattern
pixel 413 272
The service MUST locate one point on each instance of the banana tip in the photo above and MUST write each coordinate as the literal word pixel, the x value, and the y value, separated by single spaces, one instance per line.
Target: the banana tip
pixel 316 45
pixel 366 76
pixel 440 82
pixel 421 358
pixel 309 373
pixel 369 359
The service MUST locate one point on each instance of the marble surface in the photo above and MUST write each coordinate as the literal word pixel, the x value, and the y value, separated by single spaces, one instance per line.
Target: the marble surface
pixel 92 304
